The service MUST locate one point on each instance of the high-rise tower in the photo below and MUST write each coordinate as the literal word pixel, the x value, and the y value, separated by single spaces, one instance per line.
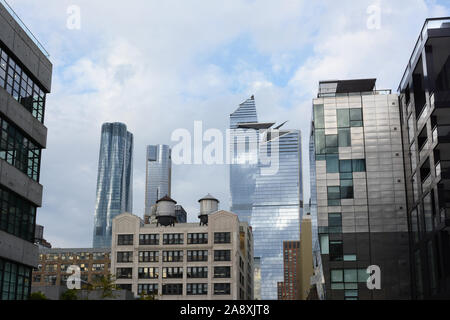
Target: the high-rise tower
pixel 267 194
pixel 114 180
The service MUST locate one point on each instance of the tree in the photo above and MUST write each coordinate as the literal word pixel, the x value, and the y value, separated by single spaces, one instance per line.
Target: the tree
pixel 107 284
pixel 38 296
pixel 145 296
pixel 70 295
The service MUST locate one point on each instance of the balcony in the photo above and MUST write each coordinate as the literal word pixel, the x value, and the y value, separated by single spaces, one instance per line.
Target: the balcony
pixel 422 120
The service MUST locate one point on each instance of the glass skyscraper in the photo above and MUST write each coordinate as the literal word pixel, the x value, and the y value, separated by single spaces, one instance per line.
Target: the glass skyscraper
pixel 158 174
pixel 114 180
pixel 270 202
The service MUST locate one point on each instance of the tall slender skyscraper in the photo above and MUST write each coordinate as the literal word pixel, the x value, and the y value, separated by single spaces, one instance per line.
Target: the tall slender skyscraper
pixel 114 180
pixel 270 200
pixel 158 175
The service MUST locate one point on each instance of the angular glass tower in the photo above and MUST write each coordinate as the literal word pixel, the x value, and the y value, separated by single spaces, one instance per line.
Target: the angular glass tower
pixel 114 180
pixel 158 174
pixel 270 202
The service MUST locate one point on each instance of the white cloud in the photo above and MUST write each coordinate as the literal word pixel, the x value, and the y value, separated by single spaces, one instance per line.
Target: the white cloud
pixel 155 66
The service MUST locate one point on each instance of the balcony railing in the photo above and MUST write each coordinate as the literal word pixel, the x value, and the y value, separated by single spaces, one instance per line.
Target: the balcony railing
pixel 433 23
pixel 24 27
pixel 423 117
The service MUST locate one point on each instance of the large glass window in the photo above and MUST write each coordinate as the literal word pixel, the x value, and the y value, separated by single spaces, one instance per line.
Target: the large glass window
pixel 172 273
pixel 336 250
pixel 346 189
pixel 222 237
pixel 148 256
pixel 222 255
pixel 19 151
pixel 18 84
pixel 324 244
pixel 17 215
pixel 320 141
pixel 197 272
pixel 222 288
pixel 123 257
pixel 172 256
pixel 343 118
pixel 197 238
pixel 331 143
pixel 172 289
pixel 194 289
pixel 197 255
pixel 344 137
pixel 334 196
pixel 149 239
pixel 15 280
pixel 148 289
pixel 124 273
pixel 334 223
pixel 319 117
pixel 176 238
pixel 222 272
pixel 148 273
pixel 356 118
pixel 332 163
pixel 125 240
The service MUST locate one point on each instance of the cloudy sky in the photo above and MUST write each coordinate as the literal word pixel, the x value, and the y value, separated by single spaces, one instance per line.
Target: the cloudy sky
pixel 160 65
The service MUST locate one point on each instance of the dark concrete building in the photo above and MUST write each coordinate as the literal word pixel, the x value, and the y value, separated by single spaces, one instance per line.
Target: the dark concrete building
pixel 425 114
pixel 25 79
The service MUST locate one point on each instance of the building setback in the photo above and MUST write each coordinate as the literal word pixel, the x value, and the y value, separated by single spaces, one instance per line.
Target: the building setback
pixel 425 101
pixel 212 260
pixel 360 187
pixel 268 197
pixel 114 180
pixel 25 80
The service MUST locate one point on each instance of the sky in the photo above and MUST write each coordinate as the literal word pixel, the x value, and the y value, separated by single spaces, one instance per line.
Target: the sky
pixel 158 66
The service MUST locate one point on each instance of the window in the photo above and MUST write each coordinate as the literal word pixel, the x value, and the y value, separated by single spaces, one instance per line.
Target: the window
pixel 334 196
pixel 319 116
pixel 124 257
pixel 19 151
pixel 346 189
pixel 334 223
pixel 222 237
pixel 343 118
pixel 356 118
pixel 222 255
pixel 336 250
pixel 344 137
pixel 148 289
pixel 124 273
pixel 98 267
pixel 197 238
pixel 17 215
pixel 148 256
pixel 359 165
pixel 194 289
pixel 172 272
pixel 123 286
pixel 149 239
pixel 320 141
pixel 23 89
pixel 222 288
pixel 173 256
pixel 350 257
pixel 197 255
pixel 125 240
pixel 332 163
pixel 51 268
pixel 197 272
pixel 173 238
pixel 172 289
pixel 324 244
pixel 99 256
pixel 331 143
pixel 84 267
pixel 222 272
pixel 148 273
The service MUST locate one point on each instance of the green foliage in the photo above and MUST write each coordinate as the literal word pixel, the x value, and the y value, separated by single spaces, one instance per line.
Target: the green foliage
pixel 145 296
pixel 38 296
pixel 107 284
pixel 70 295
